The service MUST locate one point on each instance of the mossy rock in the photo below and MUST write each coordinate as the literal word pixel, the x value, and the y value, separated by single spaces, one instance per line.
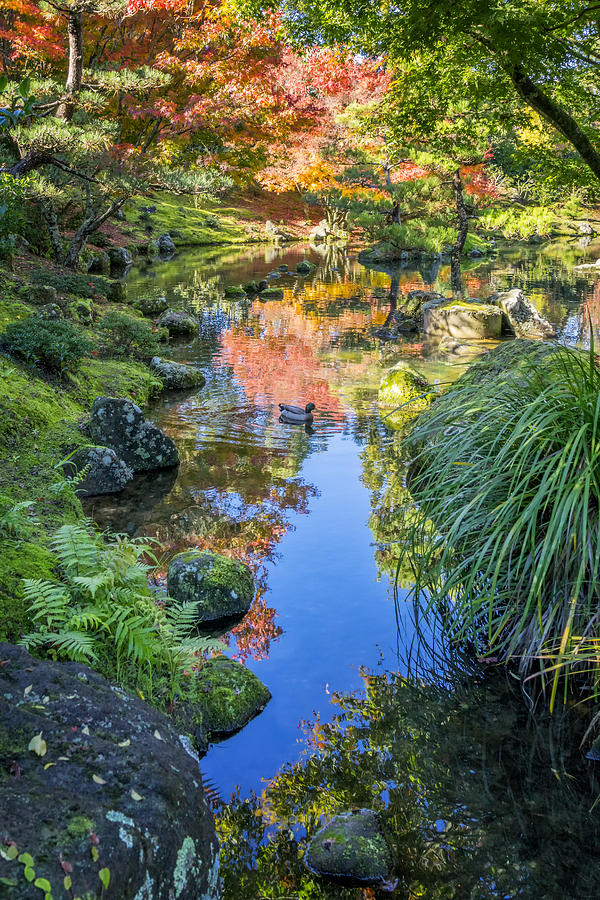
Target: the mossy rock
pixel 220 586
pixel 306 267
pixel 117 291
pixel 271 294
pixel 403 385
pixel 99 469
pixel 250 287
pixel 352 850
pixel 179 322
pixel 119 424
pixel 228 694
pixel 235 292
pixel 177 376
pixel 152 306
pixel 40 294
pixel 512 361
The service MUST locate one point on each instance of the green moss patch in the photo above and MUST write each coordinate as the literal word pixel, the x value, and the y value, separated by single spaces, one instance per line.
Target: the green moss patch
pixel 228 695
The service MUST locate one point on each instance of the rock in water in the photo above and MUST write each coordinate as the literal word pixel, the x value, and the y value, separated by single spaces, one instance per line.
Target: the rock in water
pixel 120 258
pixel 462 320
pixel 99 771
pixel 179 322
pixel 222 587
pixel 107 474
pixel 306 267
pixel 177 376
pixel 402 386
pixel 521 318
pixel 227 695
pixel 119 424
pixel 351 849
pixel 166 245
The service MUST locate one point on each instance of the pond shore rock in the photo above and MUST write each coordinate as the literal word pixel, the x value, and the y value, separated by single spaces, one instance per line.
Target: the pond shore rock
pixel 306 267
pixel 228 696
pixel 352 850
pixel 401 385
pixel 119 424
pixel 521 318
pixel 107 474
pixel 179 322
pixel 177 376
pixel 221 587
pixel 108 772
pixel 465 320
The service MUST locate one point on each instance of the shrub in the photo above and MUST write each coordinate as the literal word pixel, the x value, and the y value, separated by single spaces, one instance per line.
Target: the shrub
pixel 56 345
pixel 507 468
pixel 128 336
pixel 82 285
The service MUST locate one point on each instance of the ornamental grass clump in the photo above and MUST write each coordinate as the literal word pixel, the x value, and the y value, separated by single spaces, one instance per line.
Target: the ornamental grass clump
pixel 506 465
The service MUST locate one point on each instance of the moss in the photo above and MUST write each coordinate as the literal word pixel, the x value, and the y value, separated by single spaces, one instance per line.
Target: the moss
pixel 72 283
pixel 189 223
pixel 402 391
pixel 79 828
pixel 228 694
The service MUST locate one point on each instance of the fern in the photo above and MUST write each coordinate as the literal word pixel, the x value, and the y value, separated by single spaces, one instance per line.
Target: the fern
pixel 16 519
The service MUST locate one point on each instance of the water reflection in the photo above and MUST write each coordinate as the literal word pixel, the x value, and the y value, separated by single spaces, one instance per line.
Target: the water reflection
pixel 314 514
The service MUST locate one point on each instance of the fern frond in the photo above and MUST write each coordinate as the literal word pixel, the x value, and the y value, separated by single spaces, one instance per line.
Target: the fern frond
pixel 78 646
pixel 46 600
pixel 92 583
pixel 76 549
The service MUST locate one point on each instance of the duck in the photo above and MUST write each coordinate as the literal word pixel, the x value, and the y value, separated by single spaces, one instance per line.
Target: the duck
pixel 295 415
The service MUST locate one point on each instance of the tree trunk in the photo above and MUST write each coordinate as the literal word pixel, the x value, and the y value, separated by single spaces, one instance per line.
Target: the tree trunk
pixel 51 220
pixel 557 116
pixel 32 160
pixel 75 73
pixel 90 224
pixel 461 237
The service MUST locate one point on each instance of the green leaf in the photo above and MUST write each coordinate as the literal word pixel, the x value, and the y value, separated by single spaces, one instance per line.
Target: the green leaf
pixel 104 876
pixel 67 881
pixel 43 884
pixel 9 852
pixel 24 88
pixel 3 83
pixel 26 859
pixel 9 882
pixel 29 873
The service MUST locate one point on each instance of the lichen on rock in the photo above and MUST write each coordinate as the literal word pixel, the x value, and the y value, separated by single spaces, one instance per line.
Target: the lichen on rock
pixel 120 424
pixel 177 376
pixel 227 696
pixel 101 471
pixel 351 849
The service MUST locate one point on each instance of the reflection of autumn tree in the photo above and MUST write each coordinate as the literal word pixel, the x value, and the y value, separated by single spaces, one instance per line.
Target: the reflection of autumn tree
pixel 478 798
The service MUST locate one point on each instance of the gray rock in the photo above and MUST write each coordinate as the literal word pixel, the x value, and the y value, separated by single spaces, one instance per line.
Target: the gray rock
pixel 166 244
pixel 521 318
pixel 585 228
pixel 114 775
pixel 119 424
pixel 41 294
pixel 179 322
pixel 463 321
pixel 411 305
pixel 177 376
pixel 100 263
pixel 220 586
pixel 227 696
pixel 120 258
pixel 106 473
pixel 284 268
pixel 351 849
pixel 152 306
pixel 276 232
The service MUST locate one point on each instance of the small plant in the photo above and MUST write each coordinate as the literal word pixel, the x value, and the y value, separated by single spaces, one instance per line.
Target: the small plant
pixel 104 612
pixel 58 346
pixel 16 519
pixel 128 336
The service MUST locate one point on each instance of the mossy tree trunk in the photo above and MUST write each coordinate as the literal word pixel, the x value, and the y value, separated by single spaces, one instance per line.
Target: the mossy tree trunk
pixel 75 70
pixel 461 237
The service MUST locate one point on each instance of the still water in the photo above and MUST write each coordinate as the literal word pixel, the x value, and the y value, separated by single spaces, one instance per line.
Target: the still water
pixel 312 513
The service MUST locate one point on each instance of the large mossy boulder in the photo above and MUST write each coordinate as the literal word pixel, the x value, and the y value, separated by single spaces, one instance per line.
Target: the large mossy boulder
pixel 235 292
pixel 382 253
pixel 100 471
pixel 40 294
pixel 403 393
pixel 179 322
pixel 463 320
pixel 119 424
pixel 351 850
pixel 512 363
pixel 521 318
pixel 411 305
pixel 94 779
pixel 177 376
pixel 228 696
pixel 221 587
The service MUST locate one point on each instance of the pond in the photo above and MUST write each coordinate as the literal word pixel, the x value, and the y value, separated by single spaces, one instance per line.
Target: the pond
pixel 313 513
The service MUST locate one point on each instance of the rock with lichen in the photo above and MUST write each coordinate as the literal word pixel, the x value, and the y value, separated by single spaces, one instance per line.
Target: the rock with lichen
pixel 101 786
pixel 463 320
pixel 220 587
pixel 179 322
pixel 98 470
pixel 119 424
pixel 521 318
pixel 352 850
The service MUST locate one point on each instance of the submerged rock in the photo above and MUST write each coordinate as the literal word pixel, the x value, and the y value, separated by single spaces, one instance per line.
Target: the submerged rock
pixel 119 424
pixel 221 587
pixel 521 318
pixel 404 387
pixel 351 849
pixel 179 321
pixel 271 294
pixel 106 473
pixel 462 320
pixel 235 292
pixel 99 770
pixel 166 245
pixel 177 376
pixel 228 696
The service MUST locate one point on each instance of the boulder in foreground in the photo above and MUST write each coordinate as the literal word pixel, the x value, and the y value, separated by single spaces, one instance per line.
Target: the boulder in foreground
pixel 120 424
pixel 95 781
pixel 105 473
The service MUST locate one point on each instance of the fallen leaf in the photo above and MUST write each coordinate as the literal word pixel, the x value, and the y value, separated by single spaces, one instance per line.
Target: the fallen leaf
pixel 85 730
pixel 125 743
pixel 15 769
pixel 158 735
pixel 135 795
pixel 98 780
pixel 49 766
pixel 28 689
pixel 37 745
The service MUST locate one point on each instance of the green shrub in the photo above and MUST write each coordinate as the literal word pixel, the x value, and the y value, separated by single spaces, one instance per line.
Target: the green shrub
pixel 12 195
pixel 507 468
pixel 56 345
pixel 82 285
pixel 128 336
pixel 520 222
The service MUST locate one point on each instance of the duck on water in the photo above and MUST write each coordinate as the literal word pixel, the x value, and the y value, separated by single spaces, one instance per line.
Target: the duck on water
pixel 295 415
